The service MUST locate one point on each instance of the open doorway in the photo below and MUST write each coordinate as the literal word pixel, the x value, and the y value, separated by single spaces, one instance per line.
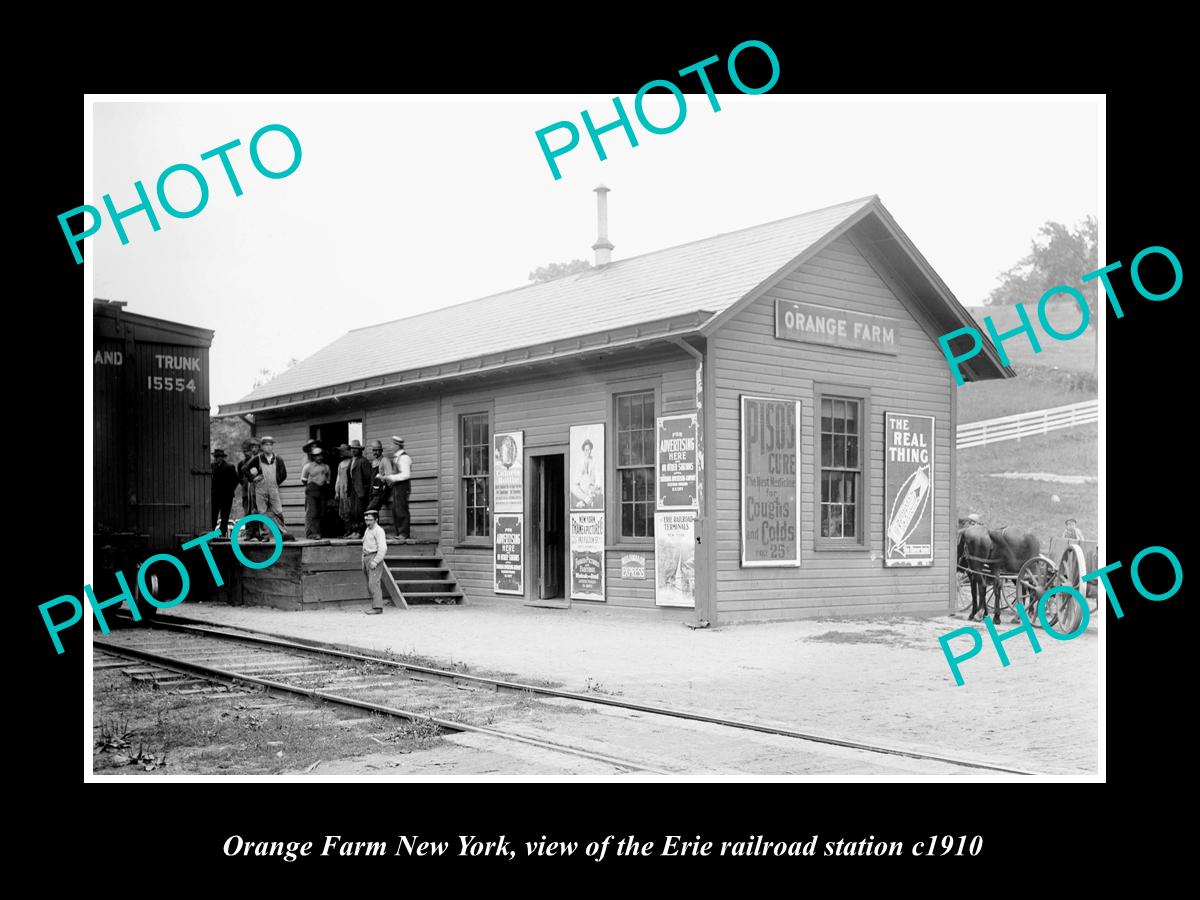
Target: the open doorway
pixel 548 529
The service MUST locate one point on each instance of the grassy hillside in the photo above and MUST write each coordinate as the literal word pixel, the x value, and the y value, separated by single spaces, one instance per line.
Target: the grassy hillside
pixel 1060 374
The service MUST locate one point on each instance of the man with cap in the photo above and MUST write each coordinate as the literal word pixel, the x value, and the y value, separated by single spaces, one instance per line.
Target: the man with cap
pixel 358 487
pixel 401 483
pixel 381 466
pixel 374 551
pixel 224 484
pixel 250 449
pixel 269 473
pixel 315 478
pixel 1071 533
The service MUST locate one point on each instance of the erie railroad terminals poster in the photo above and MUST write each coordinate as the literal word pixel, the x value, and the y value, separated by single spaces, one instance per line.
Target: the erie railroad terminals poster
pixel 677 462
pixel 587 556
pixel 770 502
pixel 587 467
pixel 509 449
pixel 908 489
pixel 510 554
pixel 675 559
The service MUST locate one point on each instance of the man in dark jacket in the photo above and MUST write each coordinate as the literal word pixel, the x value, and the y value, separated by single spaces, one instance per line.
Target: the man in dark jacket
pixel 358 487
pixel 224 484
pixel 250 449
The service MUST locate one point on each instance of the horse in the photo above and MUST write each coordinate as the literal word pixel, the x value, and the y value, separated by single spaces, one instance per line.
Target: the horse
pixel 1013 548
pixel 975 541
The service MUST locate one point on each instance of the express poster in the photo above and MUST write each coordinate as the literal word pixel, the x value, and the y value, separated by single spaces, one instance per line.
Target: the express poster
pixel 509 554
pixel 770 476
pixel 675 559
pixel 587 467
pixel 587 556
pixel 677 462
pixel 908 489
pixel 507 476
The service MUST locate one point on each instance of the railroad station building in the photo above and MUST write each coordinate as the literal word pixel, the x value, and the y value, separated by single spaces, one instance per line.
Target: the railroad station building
pixel 757 425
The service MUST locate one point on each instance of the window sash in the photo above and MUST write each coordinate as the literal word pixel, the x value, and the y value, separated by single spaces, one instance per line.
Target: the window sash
pixel 840 464
pixel 634 443
pixel 474 493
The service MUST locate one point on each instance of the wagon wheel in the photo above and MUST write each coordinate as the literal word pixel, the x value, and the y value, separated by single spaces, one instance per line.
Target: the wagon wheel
pixel 1070 573
pixel 963 601
pixel 1036 577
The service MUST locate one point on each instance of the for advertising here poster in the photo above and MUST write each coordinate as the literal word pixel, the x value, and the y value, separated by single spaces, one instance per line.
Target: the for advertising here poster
pixel 509 553
pixel 507 462
pixel 908 489
pixel 675 559
pixel 770 470
pixel 587 467
pixel 677 462
pixel 587 556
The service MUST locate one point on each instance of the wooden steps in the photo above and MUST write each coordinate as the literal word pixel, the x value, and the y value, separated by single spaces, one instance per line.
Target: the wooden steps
pixel 422 578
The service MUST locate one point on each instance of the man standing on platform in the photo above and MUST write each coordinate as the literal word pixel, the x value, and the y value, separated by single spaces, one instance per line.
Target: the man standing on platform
pixel 382 466
pixel 269 473
pixel 250 450
pixel 402 484
pixel 341 481
pixel 224 485
pixel 374 551
pixel 315 478
pixel 358 487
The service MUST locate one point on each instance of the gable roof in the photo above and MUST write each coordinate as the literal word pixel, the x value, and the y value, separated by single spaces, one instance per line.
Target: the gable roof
pixel 671 292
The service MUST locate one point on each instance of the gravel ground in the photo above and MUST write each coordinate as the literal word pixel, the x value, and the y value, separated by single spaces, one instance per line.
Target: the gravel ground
pixel 880 680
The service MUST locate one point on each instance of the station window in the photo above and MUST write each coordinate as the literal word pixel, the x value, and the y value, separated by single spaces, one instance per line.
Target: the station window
pixel 635 463
pixel 474 490
pixel 841 447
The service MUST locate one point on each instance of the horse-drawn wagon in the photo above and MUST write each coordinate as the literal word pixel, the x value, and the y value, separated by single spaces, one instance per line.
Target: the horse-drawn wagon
pixel 1016 571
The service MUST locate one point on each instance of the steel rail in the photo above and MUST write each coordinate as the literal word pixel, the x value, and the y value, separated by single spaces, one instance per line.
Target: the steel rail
pixel 185 667
pixel 253 636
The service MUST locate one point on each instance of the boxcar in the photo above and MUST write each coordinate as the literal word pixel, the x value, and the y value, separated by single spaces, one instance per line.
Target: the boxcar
pixel 151 465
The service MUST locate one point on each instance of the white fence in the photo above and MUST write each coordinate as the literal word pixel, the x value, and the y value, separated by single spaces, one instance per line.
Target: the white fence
pixel 1010 428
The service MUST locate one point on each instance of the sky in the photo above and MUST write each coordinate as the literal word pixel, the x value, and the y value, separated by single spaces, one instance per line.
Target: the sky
pixel 411 204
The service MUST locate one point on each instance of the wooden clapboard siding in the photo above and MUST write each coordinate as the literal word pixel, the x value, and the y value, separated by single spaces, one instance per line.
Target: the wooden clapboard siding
pixel 545 405
pixel 749 359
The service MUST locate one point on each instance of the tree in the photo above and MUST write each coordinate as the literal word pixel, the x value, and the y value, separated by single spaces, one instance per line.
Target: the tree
pixel 1058 256
pixel 265 375
pixel 558 270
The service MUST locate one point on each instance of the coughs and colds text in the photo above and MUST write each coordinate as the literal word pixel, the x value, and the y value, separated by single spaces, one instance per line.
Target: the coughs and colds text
pixel 672 845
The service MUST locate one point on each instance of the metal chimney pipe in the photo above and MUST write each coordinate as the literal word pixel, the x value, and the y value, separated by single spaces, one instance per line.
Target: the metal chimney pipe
pixel 603 245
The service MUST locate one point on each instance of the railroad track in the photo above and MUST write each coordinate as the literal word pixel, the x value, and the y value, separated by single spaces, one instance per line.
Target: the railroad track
pixel 351 678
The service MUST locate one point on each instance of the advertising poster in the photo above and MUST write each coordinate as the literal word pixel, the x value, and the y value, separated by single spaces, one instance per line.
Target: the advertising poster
pixel 587 467
pixel 908 489
pixel 508 455
pixel 675 559
pixel 770 472
pixel 587 556
pixel 509 554
pixel 633 565
pixel 677 462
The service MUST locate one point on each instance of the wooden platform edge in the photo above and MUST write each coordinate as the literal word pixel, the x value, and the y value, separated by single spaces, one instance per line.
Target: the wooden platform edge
pixel 393 589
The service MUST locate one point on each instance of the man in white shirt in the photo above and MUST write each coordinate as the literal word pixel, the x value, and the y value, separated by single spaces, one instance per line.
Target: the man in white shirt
pixel 374 551
pixel 401 484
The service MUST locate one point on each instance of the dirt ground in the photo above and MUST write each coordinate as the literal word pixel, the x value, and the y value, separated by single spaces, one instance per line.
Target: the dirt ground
pixel 883 681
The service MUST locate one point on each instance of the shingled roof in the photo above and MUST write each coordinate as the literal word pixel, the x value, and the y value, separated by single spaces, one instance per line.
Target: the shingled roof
pixel 673 292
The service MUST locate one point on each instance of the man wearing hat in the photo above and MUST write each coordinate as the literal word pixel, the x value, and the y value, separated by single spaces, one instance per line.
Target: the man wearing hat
pixel 374 551
pixel 358 488
pixel 1071 533
pixel 315 478
pixel 401 483
pixel 381 467
pixel 224 484
pixel 269 472
pixel 250 449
